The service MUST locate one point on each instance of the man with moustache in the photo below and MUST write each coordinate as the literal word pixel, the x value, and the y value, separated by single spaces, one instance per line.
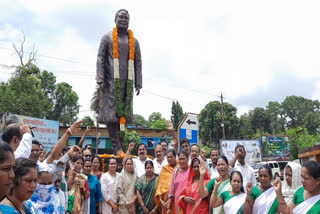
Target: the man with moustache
pixel 214 155
pixel 159 161
pixel 138 163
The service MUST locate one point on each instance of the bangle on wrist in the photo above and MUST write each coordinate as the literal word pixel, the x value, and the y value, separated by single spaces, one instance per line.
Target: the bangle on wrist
pixel 69 131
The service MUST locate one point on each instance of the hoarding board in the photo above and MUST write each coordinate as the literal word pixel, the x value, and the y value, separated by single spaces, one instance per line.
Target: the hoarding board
pixel 252 148
pixel 45 131
pixel 275 147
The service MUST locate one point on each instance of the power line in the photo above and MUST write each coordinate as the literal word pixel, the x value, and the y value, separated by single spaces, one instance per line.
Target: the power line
pixel 46 56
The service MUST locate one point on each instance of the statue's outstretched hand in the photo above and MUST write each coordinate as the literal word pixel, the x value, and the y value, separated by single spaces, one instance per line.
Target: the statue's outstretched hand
pixel 137 91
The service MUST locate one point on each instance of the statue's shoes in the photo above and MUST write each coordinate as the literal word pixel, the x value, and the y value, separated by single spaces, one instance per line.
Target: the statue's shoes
pixel 121 153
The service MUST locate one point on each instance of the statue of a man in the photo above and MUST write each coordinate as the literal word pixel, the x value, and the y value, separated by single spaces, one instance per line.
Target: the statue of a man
pixel 119 69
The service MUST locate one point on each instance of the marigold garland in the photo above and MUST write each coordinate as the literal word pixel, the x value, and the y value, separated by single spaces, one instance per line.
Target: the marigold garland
pixel 123 110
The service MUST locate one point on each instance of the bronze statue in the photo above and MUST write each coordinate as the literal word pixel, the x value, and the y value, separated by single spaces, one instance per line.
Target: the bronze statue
pixel 119 66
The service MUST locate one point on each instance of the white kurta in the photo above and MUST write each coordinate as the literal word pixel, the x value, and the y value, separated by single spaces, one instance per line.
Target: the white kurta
pixel 108 187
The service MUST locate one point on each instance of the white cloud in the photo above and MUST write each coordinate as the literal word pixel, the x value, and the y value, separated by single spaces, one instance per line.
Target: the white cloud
pixel 212 47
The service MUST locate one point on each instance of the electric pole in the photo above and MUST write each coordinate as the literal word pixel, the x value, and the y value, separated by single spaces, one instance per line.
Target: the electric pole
pixel 222 117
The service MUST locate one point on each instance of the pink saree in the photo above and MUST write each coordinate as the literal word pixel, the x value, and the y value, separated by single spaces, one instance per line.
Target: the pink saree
pixel 177 182
pixel 191 189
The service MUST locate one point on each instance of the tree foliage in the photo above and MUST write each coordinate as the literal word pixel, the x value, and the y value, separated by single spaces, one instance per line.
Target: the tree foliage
pixel 160 124
pixel 34 93
pixel 210 129
pixel 176 114
pixel 131 137
pixel 154 116
pixel 87 121
pixel 139 121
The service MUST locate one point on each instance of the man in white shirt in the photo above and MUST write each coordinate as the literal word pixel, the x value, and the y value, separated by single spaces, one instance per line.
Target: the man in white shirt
pixel 159 161
pixel 214 155
pixel 35 151
pixel 238 164
pixel 138 163
pixel 19 138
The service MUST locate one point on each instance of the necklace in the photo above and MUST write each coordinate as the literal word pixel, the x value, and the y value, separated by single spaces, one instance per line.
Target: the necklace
pixel 14 205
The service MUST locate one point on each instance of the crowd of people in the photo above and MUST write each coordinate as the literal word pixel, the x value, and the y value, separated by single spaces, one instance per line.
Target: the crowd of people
pixel 68 180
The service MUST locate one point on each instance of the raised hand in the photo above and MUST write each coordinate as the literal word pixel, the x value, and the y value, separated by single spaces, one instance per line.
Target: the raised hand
pixel 277 185
pixel 25 129
pixel 88 129
pixel 202 168
pixel 203 154
pixel 76 126
pixel 131 146
pixel 218 182
pixel 249 187
pixel 74 151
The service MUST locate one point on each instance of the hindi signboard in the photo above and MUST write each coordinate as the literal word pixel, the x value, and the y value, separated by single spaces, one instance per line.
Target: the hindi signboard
pixel 45 131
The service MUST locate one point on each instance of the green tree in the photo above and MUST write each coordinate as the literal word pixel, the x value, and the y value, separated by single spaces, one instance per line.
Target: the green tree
pixel 23 93
pixel 160 124
pixel 260 120
pixel 66 106
pixel 245 128
pixel 139 121
pixel 87 121
pixel 153 117
pixel 275 113
pixel 210 120
pixel 298 111
pixel 176 114
pixel 131 137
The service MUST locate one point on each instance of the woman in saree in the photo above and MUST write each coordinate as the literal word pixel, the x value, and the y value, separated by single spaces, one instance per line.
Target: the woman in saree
pixel 232 200
pixel 262 199
pixel 306 200
pixel 79 190
pixel 292 181
pixel 205 191
pixel 95 188
pixel 162 192
pixel 126 188
pixel 6 168
pixel 145 189
pixel 96 163
pixel 189 200
pixel 24 185
pixel 177 181
pixel 109 181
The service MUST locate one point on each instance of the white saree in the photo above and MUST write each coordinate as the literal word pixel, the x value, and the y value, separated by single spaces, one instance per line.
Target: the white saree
pixel 305 206
pixel 264 202
pixel 233 205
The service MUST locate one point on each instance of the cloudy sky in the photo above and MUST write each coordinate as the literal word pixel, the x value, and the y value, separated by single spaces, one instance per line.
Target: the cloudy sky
pixel 252 52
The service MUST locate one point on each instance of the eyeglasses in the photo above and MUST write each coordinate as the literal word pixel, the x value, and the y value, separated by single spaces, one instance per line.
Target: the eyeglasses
pixel 87 156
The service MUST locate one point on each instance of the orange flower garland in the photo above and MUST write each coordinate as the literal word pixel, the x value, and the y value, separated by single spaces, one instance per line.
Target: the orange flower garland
pixel 123 110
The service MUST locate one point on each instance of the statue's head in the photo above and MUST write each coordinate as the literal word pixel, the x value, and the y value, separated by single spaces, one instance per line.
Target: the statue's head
pixel 122 19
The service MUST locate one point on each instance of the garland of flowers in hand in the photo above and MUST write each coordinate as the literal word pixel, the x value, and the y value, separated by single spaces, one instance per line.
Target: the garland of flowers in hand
pixel 123 109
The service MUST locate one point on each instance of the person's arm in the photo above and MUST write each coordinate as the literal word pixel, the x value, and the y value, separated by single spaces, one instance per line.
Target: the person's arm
pixel 25 146
pixel 101 61
pixel 248 205
pixel 99 198
pixel 234 159
pixel 203 191
pixel 130 148
pixel 54 154
pixel 140 201
pixel 120 192
pixel 86 191
pixel 84 136
pixel 283 207
pixel 216 201
pixel 137 67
